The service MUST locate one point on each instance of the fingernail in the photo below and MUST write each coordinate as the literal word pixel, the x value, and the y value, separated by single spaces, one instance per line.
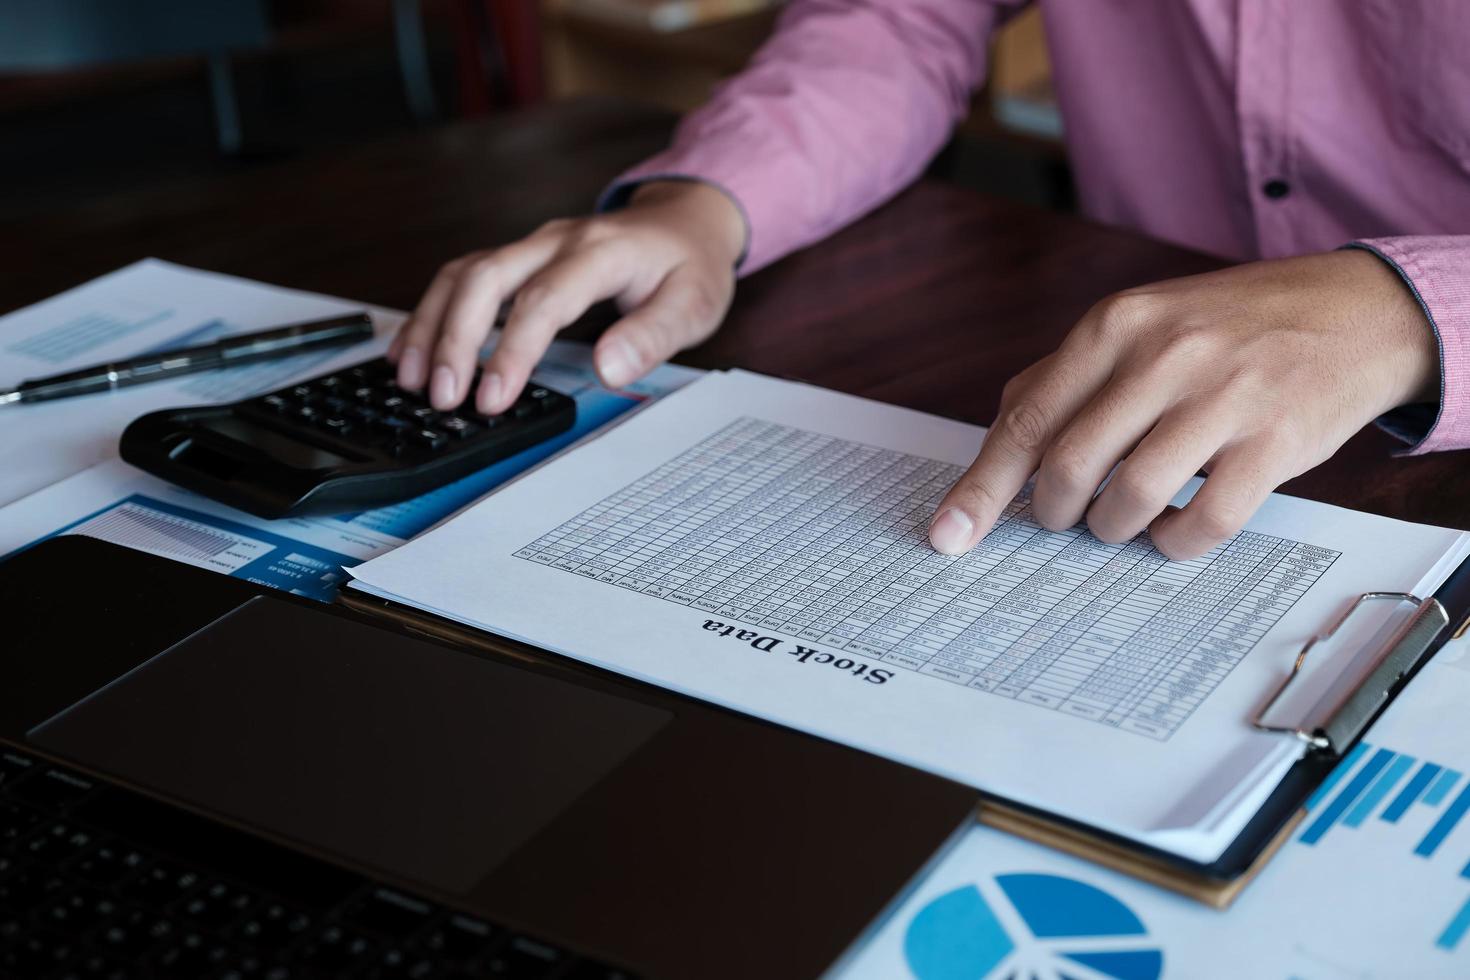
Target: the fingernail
pixel 442 388
pixel 618 364
pixel 950 532
pixel 490 391
pixel 410 368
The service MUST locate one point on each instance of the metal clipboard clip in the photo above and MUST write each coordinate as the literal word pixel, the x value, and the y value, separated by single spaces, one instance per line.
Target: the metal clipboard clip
pixel 1402 655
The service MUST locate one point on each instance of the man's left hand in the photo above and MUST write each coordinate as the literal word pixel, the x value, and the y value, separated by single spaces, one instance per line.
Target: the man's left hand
pixel 1252 374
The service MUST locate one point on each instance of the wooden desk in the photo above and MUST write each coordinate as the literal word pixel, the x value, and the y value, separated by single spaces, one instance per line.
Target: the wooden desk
pixel 931 302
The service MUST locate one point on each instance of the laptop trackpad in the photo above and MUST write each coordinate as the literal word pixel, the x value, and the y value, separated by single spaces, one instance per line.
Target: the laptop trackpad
pixel 403 755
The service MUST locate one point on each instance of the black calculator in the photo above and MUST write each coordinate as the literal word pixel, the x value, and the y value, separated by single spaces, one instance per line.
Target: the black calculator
pixel 346 441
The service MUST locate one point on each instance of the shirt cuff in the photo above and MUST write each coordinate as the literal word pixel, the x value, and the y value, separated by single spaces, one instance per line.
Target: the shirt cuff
pixel 617 195
pixel 1437 271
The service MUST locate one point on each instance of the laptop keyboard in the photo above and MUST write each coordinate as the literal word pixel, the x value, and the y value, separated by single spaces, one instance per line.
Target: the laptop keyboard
pixel 99 882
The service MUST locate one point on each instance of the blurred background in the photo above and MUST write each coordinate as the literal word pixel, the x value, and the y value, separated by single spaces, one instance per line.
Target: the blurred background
pixel 99 97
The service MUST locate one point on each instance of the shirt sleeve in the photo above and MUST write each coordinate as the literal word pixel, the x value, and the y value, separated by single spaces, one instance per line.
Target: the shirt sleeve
pixel 840 109
pixel 1437 271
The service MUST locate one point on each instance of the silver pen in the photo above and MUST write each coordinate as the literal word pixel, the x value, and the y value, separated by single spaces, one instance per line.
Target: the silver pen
pixel 240 349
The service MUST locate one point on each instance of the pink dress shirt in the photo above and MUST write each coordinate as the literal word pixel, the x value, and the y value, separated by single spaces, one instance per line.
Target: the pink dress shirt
pixel 1246 128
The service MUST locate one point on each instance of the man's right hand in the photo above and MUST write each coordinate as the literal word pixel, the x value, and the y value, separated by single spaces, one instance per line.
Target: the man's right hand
pixel 667 259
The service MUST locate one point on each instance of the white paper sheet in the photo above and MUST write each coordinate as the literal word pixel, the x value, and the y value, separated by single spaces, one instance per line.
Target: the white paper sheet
pixel 146 306
pixel 759 544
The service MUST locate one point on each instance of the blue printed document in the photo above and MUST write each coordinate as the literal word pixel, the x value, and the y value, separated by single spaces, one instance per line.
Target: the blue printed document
pixel 1375 884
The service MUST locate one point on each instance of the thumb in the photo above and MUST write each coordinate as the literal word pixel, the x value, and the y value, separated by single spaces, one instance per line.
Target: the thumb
pixel 685 309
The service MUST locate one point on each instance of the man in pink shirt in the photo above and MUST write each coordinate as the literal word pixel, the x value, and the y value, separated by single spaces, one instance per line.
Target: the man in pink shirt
pixel 1272 130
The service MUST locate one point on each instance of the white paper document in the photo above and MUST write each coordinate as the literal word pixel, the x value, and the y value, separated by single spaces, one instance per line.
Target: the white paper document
pixel 147 306
pixel 761 544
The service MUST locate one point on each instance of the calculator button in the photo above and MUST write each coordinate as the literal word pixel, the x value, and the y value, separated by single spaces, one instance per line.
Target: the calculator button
pixel 337 425
pixel 525 409
pixel 307 414
pixel 364 393
pixel 303 391
pixel 391 424
pixel 393 402
pixel 457 427
pixel 430 439
pixel 424 414
pixel 276 403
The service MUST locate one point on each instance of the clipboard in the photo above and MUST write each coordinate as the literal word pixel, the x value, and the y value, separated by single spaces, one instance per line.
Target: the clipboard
pixel 1434 621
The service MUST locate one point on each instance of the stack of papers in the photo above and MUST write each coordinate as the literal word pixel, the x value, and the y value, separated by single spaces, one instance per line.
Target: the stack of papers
pixel 761 544
pixel 148 306
pixel 63 475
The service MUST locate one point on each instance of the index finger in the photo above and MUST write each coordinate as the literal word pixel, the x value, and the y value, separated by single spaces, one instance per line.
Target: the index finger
pixel 1012 450
pixel 470 312
pixel 551 300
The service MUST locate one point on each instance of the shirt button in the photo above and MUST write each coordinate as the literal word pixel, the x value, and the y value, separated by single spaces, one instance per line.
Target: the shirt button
pixel 1276 188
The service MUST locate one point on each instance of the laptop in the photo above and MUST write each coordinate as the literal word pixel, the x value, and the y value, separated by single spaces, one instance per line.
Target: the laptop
pixel 203 777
